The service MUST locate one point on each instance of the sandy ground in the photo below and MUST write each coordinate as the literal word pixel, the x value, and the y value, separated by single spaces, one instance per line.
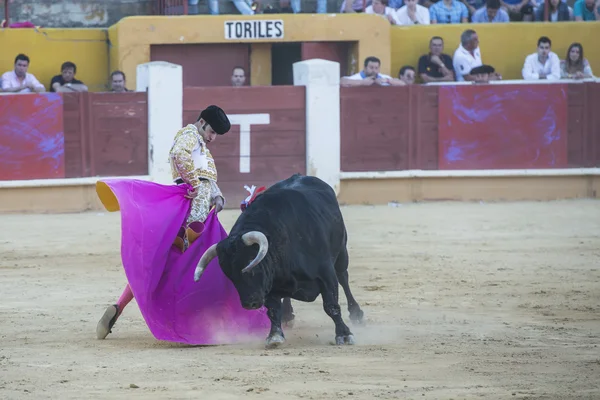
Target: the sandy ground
pixel 494 301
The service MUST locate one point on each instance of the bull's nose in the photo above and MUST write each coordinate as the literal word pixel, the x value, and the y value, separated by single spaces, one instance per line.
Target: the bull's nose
pixel 253 305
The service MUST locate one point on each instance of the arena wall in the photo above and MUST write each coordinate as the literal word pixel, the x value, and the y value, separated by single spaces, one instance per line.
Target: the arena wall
pixel 49 48
pixel 470 127
pixel 72 135
pixel 374 145
pixel 503 46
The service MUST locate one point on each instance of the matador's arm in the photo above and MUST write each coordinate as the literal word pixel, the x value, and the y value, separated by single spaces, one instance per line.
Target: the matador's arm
pixel 181 157
pixel 215 191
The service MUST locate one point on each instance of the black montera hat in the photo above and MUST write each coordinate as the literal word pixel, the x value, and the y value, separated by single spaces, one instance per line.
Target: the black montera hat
pixel 483 69
pixel 216 118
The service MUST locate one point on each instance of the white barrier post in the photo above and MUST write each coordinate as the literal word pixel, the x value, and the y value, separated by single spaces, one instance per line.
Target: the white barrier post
pixel 322 81
pixel 164 83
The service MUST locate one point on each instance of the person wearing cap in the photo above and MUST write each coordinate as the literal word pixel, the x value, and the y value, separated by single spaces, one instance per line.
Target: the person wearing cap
pixel 484 73
pixel 191 164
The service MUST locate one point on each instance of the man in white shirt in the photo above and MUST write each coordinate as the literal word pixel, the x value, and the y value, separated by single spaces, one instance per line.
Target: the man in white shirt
pixel 370 76
pixel 544 64
pixel 19 80
pixel 380 7
pixel 412 14
pixel 467 56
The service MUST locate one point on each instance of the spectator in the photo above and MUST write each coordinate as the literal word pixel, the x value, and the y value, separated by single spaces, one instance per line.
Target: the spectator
pixel 492 12
pixel 117 82
pixel 436 66
pixel 19 80
pixel 448 12
pixel 370 76
pixel 296 5
pixel 473 5
pixel 412 14
pixel 238 76
pixel 482 74
pixel 467 56
pixel 407 74
pixel 353 6
pixel 558 11
pixel 544 64
pixel 518 10
pixel 587 10
pixel 381 8
pixel 575 65
pixel 66 82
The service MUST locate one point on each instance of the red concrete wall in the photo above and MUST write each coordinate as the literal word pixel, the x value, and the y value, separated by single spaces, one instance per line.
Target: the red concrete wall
pixel 470 127
pixel 277 150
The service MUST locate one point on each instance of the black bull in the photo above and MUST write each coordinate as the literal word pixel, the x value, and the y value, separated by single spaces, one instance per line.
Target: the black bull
pixel 289 243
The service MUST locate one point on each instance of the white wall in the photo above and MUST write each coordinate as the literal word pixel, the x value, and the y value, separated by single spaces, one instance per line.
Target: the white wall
pixel 164 83
pixel 322 81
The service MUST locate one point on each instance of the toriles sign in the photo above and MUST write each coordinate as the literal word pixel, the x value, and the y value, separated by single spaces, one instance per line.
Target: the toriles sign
pixel 251 30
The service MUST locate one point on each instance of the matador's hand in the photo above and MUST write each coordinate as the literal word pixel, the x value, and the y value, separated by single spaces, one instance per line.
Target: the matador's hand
pixel 191 194
pixel 218 203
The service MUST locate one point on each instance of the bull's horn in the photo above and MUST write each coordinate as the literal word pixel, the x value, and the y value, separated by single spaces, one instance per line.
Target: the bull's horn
pixel 207 257
pixel 256 237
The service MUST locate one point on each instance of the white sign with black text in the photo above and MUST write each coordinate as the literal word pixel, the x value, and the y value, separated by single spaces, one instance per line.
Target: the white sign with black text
pixel 255 29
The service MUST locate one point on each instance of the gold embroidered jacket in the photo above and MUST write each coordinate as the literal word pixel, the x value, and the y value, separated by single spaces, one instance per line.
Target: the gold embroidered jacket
pixel 191 160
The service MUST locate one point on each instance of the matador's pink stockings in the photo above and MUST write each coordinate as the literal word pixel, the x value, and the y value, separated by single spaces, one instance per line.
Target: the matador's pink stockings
pixel 125 298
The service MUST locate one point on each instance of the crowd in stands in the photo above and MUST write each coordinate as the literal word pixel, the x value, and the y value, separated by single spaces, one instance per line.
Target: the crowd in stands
pixel 19 80
pixel 466 64
pixel 425 12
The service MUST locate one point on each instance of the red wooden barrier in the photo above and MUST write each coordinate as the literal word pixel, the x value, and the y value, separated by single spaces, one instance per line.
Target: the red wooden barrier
pixel 489 127
pixel 68 135
pixel 470 127
pixel 106 134
pixel 389 128
pixel 31 137
pixel 277 148
pixel 383 128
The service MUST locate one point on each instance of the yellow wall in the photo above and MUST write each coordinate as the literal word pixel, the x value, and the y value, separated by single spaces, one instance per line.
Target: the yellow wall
pixel 113 54
pixel 136 34
pixel 49 48
pixel 504 46
pixel 260 64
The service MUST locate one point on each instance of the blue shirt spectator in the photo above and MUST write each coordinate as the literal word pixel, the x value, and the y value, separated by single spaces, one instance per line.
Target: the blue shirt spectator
pixel 586 10
pixel 449 12
pixel 490 13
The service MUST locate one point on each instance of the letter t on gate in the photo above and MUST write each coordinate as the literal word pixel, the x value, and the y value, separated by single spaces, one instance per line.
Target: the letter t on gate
pixel 244 121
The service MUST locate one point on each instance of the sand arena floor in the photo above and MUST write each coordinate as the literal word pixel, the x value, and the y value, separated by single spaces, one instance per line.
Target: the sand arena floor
pixel 492 301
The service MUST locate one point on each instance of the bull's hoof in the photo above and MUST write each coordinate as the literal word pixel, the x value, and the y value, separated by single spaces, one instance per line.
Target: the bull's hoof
pixel 288 324
pixel 341 340
pixel 357 317
pixel 274 341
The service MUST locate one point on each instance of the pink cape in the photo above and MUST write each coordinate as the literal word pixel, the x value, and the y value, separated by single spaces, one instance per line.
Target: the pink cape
pixel 176 308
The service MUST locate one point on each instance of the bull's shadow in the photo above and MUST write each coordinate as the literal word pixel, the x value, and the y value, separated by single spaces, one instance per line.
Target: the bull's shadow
pixel 289 243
